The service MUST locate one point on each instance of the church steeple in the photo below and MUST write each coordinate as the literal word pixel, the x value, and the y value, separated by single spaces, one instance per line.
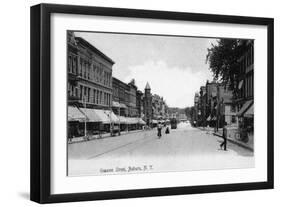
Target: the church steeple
pixel 147 87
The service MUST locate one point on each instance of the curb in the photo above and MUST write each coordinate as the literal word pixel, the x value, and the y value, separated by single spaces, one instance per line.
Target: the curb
pixel 236 142
pixel 104 137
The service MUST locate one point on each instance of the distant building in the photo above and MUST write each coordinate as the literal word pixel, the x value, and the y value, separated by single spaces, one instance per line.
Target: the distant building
pixel 159 107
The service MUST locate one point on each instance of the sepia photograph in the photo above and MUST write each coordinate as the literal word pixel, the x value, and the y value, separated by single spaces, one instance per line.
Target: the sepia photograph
pixel 150 103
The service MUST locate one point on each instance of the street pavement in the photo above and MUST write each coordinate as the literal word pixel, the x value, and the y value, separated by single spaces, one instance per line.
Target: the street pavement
pixel 185 148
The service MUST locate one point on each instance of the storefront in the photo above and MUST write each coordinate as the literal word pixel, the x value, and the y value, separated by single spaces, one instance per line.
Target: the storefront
pixel 246 121
pixel 74 119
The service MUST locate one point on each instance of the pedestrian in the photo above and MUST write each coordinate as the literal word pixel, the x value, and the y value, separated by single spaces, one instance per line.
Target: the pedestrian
pixel 224 136
pixel 167 130
pixel 159 128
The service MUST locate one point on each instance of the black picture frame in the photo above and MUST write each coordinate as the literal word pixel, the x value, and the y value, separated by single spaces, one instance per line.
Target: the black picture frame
pixel 41 102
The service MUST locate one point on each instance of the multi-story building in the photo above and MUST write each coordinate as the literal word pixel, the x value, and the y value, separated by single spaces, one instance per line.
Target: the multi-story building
pixel 72 69
pixel 245 83
pixel 196 111
pixel 140 109
pixel 119 104
pixel 93 74
pixel 89 86
pixel 244 98
pixel 202 106
pixel 132 105
pixel 159 107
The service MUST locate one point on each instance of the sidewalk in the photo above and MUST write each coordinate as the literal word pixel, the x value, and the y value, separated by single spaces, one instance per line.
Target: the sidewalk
pixel 249 145
pixel 93 137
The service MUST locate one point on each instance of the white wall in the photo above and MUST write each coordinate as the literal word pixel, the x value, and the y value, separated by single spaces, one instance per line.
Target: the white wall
pixel 14 150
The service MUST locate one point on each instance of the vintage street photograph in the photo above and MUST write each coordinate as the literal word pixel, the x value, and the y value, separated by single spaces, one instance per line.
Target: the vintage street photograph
pixel 149 103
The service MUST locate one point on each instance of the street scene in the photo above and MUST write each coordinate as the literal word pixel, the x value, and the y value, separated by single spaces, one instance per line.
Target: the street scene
pixel 187 148
pixel 146 104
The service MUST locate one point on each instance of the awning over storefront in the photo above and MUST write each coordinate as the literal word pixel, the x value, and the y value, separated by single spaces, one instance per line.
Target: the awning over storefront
pixel 141 121
pixel 131 120
pixel 111 117
pixel 123 106
pixel 74 114
pixel 118 105
pixel 93 115
pixel 98 115
pixel 250 112
pixel 122 119
pixel 246 105
pixel 115 104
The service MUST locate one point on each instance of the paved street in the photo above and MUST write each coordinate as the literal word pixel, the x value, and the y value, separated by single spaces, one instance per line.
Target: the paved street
pixel 185 148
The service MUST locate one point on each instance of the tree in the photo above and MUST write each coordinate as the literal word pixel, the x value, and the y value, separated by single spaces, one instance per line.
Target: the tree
pixel 223 59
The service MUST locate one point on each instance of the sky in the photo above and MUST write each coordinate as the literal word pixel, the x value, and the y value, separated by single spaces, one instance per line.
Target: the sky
pixel 175 67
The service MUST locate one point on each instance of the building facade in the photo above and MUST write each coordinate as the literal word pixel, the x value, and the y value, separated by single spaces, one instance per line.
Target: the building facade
pixel 140 108
pixel 93 75
pixel 89 88
pixel 119 104
pixel 132 105
pixel 245 92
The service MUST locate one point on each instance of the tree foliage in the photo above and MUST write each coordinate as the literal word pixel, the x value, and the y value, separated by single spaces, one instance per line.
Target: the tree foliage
pixel 223 59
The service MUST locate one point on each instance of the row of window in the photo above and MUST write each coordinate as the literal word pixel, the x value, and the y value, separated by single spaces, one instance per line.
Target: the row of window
pixel 90 95
pixel 249 86
pixel 72 64
pixel 247 60
pixel 95 96
pixel 94 72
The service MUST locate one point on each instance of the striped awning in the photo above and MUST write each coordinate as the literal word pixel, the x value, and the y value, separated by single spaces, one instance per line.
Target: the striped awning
pixel 123 106
pixel 93 115
pixel 122 119
pixel 131 120
pixel 99 115
pixel 246 105
pixel 116 104
pixel 240 84
pixel 140 121
pixel 250 112
pixel 111 117
pixel 74 114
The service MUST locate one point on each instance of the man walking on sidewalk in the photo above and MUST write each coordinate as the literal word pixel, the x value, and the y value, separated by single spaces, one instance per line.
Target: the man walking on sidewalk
pixel 224 136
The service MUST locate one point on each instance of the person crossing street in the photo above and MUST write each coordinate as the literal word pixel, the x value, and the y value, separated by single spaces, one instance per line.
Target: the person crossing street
pixel 159 130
